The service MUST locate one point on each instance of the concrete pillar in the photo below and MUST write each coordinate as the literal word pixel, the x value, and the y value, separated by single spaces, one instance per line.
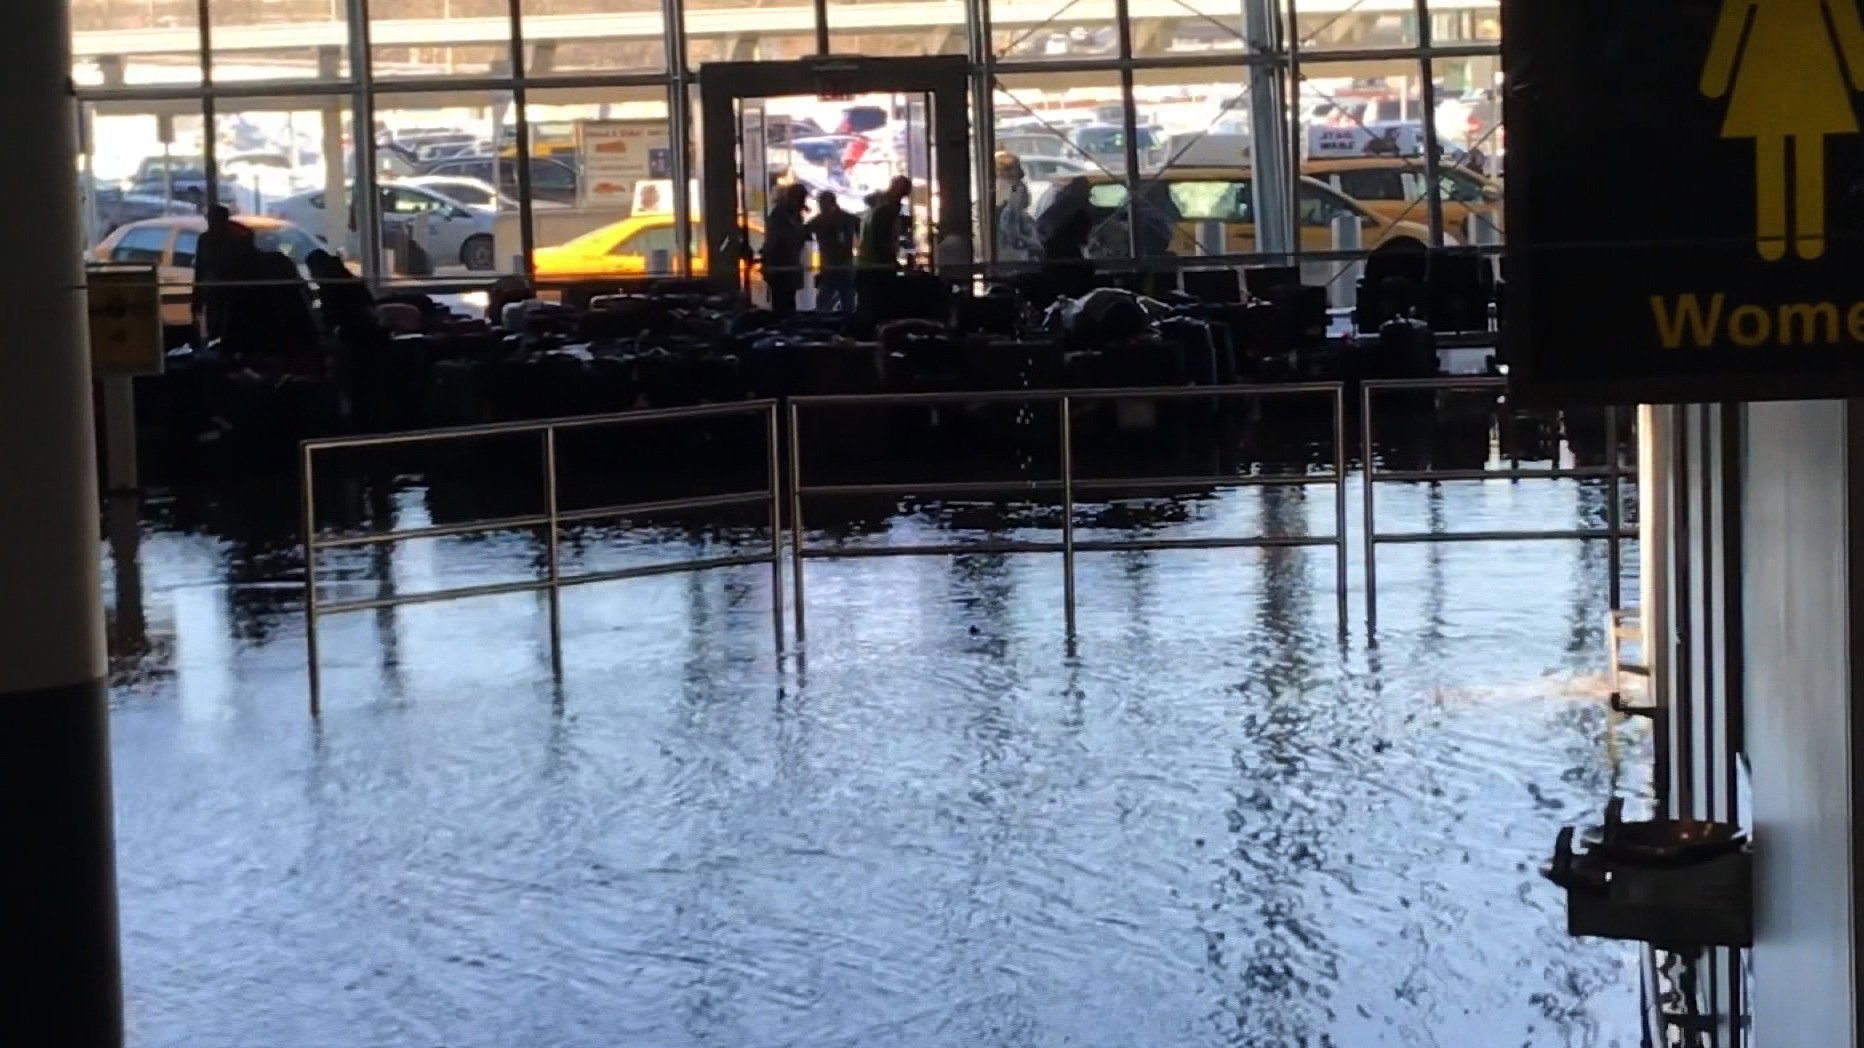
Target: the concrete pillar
pixel 58 940
pixel 1803 531
pixel 337 174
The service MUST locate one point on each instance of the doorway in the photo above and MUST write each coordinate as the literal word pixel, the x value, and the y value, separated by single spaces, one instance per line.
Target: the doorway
pixel 843 124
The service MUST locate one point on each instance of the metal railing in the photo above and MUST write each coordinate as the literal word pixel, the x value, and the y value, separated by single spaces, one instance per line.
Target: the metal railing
pixel 1621 626
pixel 1065 483
pixel 552 520
pixel 1612 473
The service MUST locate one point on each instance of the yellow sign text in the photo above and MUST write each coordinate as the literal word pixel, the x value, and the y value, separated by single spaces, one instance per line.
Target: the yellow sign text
pixel 1691 320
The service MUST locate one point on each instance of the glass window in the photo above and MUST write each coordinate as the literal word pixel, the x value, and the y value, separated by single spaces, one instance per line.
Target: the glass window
pixel 1212 201
pixel 429 236
pixel 1469 126
pixel 402 200
pixel 187 242
pixel 1319 206
pixel 1372 183
pixel 115 43
pixel 140 166
pixel 1055 30
pixel 716 31
pixel 1353 25
pixel 247 34
pixel 285 157
pixel 559 39
pixel 413 39
pixel 654 238
pixel 902 27
pixel 1035 116
pixel 144 245
pixel 1461 187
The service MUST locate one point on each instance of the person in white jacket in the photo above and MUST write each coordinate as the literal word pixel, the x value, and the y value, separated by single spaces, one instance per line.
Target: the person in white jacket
pixel 1017 239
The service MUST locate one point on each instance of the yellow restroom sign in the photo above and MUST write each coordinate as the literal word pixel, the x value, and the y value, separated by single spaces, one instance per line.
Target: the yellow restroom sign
pixel 1789 76
pixel 126 321
pixel 1685 199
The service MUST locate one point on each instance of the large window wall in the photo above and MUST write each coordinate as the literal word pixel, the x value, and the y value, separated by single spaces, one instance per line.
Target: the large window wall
pixel 1208 129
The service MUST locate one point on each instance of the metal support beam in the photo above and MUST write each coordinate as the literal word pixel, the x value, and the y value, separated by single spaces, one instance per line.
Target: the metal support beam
pixel 1270 163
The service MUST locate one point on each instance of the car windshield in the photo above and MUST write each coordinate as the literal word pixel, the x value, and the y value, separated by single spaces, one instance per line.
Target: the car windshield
pixel 465 192
pixel 291 242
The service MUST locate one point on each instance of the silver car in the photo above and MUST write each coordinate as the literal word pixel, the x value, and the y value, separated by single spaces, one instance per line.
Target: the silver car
pixel 453 234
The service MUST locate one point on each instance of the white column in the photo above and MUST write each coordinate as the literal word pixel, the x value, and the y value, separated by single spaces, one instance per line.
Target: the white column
pixel 337 174
pixel 58 878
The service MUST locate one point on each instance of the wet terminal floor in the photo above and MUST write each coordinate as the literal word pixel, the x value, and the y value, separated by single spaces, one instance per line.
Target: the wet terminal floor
pixel 1213 822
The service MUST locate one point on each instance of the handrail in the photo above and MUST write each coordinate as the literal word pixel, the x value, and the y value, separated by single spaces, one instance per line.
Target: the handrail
pixel 1066 482
pixel 1623 625
pixel 1612 473
pixel 552 519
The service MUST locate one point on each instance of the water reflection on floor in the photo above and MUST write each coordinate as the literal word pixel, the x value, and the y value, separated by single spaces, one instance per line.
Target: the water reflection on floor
pixel 1213 823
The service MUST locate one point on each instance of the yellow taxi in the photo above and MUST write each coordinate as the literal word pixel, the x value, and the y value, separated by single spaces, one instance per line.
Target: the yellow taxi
pixel 624 249
pixel 1202 202
pixel 170 243
pixel 1393 187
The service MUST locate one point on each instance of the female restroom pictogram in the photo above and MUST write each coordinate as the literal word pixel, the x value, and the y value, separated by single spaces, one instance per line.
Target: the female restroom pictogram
pixel 1789 75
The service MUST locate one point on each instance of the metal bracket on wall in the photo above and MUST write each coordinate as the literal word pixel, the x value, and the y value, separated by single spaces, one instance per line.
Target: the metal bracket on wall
pixel 1620 626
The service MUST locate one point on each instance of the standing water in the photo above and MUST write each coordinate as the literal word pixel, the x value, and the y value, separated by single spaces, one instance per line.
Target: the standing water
pixel 1212 822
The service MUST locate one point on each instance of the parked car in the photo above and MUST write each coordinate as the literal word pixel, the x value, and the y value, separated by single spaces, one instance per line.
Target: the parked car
pixel 1395 188
pixel 1053 168
pixel 473 192
pixel 1105 145
pixel 454 231
pixel 619 249
pixel 625 249
pixel 113 209
pixel 170 244
pixel 552 179
pixel 1192 200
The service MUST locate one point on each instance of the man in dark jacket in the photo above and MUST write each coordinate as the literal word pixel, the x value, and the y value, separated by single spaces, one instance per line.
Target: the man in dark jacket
pixel 835 232
pixel 784 238
pixel 212 257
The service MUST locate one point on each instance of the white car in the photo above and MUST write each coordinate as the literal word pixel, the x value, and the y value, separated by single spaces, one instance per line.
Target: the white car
pixel 475 193
pixel 455 233
pixel 1054 168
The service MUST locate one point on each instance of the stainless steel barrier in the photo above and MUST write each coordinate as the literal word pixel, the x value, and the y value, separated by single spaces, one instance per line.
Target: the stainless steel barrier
pixel 551 519
pixel 1612 473
pixel 1065 482
pixel 1621 626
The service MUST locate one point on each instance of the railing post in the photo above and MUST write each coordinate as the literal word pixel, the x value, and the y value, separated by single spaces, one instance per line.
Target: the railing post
pixel 1067 512
pixel 551 551
pixel 774 479
pixel 796 516
pixel 1340 582
pixel 307 502
pixel 1368 514
pixel 1614 511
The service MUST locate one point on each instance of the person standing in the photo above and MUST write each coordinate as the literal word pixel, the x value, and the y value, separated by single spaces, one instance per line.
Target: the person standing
pixel 878 260
pixel 212 257
pixel 835 232
pixel 1017 239
pixel 784 237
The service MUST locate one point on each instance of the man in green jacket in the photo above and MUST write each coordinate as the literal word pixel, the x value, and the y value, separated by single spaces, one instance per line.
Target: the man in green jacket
pixel 879 257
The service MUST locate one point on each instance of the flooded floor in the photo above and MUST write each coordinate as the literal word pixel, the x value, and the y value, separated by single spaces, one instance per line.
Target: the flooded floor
pixel 1212 822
